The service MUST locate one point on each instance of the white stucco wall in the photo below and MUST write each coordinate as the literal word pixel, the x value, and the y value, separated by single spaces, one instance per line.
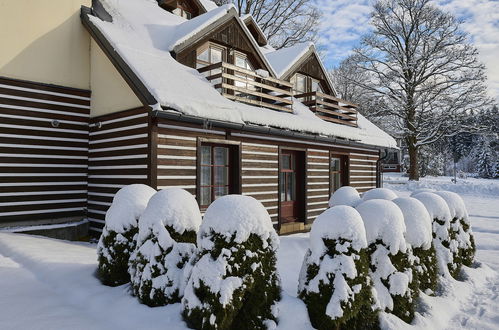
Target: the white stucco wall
pixel 110 92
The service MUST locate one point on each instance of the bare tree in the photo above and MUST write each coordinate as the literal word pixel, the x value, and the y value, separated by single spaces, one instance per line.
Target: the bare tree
pixel 425 71
pixel 284 22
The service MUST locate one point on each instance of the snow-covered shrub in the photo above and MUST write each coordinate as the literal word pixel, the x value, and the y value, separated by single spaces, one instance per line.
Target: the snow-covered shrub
pixel 419 237
pixel 418 191
pixel 460 227
pixel 379 193
pixel 334 280
pixel 445 247
pixel 234 283
pixel 345 195
pixel 117 242
pixel 164 246
pixel 390 260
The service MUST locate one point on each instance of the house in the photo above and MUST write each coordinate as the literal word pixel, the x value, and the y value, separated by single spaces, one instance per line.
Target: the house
pixel 95 96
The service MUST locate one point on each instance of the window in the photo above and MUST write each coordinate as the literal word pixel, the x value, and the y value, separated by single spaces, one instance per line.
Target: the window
pixel 288 178
pixel 209 54
pixel 218 172
pixel 338 169
pixel 246 81
pixel 304 84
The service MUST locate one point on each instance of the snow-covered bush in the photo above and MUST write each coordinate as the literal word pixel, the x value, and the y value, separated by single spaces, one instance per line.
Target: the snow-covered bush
pixel 389 258
pixel 445 247
pixel 117 242
pixel 234 283
pixel 164 246
pixel 379 193
pixel 418 191
pixel 334 280
pixel 419 236
pixel 460 227
pixel 345 195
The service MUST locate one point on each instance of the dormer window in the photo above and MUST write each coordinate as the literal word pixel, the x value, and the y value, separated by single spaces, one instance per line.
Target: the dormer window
pixel 305 84
pixel 182 13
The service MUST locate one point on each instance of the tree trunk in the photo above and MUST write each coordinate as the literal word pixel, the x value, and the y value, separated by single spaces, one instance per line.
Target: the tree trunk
pixel 414 162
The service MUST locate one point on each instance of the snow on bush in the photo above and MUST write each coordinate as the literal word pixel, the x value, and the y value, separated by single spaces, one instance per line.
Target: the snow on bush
pixel 345 195
pixel 419 233
pixel 334 280
pixel 234 283
pixel 117 240
pixel 415 192
pixel 164 246
pixel 379 193
pixel 389 257
pixel 445 246
pixel 460 228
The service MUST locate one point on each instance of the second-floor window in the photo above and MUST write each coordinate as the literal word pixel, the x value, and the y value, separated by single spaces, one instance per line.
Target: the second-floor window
pixel 305 84
pixel 208 54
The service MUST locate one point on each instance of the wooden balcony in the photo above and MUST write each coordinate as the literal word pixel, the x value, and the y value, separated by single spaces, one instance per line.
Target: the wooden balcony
pixel 248 87
pixel 330 108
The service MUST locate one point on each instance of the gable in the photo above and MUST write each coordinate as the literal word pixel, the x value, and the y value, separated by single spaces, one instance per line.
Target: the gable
pixel 311 66
pixel 229 34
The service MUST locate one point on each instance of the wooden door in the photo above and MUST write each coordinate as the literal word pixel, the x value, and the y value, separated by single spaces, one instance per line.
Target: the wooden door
pixel 289 190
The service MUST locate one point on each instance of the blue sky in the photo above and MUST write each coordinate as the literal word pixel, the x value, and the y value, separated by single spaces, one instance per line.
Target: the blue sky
pixel 344 21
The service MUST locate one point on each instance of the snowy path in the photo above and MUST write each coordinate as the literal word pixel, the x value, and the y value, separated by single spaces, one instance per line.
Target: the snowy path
pixel 481 311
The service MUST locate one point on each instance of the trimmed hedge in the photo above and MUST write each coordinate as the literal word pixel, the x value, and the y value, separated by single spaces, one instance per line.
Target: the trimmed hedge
pixel 113 252
pixel 357 310
pixel 249 269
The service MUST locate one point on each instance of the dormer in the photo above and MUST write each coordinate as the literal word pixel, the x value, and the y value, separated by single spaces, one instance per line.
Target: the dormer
pixel 183 8
pixel 302 67
pixel 226 53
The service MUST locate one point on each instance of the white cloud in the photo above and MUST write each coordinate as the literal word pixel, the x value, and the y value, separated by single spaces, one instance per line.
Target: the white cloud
pixel 344 21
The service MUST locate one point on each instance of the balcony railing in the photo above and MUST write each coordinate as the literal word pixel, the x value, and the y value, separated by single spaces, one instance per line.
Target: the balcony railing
pixel 330 108
pixel 246 86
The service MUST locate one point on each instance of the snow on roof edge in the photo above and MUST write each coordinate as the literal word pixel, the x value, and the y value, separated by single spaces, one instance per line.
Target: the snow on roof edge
pixel 152 66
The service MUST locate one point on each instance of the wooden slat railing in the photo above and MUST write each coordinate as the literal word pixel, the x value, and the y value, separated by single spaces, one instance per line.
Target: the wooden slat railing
pixel 330 108
pixel 245 86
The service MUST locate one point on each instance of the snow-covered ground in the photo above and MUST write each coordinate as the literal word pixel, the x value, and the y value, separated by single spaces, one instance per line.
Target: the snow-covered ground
pixel 50 284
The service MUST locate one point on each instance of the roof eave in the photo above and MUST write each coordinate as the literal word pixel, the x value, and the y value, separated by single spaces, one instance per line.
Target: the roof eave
pixel 173 114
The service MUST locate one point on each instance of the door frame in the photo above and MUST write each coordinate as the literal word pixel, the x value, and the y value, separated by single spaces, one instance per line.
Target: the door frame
pixel 301 196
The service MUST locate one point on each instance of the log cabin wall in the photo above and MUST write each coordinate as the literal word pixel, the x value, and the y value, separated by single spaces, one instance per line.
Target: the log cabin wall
pixel 363 169
pixel 44 146
pixel 318 190
pixel 119 154
pixel 177 160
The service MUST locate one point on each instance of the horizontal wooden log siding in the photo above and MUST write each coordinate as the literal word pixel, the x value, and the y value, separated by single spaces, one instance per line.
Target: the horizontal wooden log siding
pixel 43 150
pixel 317 182
pixel 118 156
pixel 177 154
pixel 363 170
pixel 260 175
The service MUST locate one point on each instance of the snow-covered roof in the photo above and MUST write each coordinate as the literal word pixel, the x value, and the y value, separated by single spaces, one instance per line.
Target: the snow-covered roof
pixel 284 59
pixel 248 18
pixel 142 34
pixel 208 5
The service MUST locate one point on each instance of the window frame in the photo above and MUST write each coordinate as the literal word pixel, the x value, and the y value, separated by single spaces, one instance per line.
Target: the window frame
pixel 233 165
pixel 344 170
